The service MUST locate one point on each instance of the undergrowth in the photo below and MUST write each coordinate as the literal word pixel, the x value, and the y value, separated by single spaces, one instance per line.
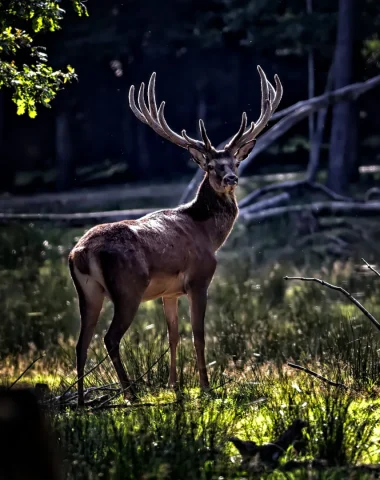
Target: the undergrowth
pixel 256 323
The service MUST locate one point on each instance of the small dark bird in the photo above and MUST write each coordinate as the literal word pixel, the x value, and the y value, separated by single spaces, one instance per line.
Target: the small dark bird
pixel 269 453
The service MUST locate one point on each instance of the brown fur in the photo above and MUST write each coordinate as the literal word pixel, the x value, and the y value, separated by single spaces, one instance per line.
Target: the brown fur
pixel 168 253
pixel 166 244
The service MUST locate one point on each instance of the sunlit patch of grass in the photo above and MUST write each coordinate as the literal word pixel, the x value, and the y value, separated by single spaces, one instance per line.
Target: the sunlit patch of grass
pixel 190 436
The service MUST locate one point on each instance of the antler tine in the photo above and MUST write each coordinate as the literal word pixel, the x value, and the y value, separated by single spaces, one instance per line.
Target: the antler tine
pixel 264 92
pixel 237 136
pixel 155 118
pixel 270 99
pixel 152 96
pixel 132 104
pixel 272 104
pixel 205 138
pixel 183 141
pixel 272 92
pixel 278 95
pixel 146 113
pixel 265 104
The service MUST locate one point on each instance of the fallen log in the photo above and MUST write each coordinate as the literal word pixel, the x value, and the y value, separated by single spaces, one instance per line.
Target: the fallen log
pixel 88 199
pixel 74 219
pixel 316 208
pixel 248 215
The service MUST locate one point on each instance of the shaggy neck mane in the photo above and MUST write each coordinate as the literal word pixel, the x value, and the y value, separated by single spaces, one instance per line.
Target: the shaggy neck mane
pixel 218 211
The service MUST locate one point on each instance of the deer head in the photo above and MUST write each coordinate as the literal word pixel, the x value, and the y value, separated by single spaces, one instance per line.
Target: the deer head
pixel 221 165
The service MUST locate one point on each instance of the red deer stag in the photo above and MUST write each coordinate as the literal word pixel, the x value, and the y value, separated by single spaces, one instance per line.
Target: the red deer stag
pixel 167 253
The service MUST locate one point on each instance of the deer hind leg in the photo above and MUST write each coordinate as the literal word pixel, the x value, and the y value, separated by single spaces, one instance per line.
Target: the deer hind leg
pixel 91 297
pixel 126 283
pixel 171 314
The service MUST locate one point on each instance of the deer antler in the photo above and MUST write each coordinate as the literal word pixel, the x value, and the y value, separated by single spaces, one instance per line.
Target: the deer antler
pixel 156 120
pixel 270 99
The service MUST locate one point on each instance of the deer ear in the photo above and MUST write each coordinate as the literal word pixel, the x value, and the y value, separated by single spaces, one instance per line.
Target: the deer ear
pixel 245 150
pixel 198 158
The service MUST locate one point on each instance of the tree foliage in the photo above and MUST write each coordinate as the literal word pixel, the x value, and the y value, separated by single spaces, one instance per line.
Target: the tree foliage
pixel 24 66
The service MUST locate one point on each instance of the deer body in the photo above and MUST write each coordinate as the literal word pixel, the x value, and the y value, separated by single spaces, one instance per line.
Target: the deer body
pixel 166 254
pixel 167 246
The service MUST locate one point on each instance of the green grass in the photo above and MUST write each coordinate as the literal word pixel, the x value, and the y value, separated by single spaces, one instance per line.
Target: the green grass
pixel 255 323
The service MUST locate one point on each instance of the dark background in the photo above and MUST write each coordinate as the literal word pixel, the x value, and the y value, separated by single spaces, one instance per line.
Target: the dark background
pixel 205 54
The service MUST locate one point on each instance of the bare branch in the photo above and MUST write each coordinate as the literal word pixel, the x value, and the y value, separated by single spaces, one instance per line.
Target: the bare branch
pixel 106 402
pixel 317 375
pixel 24 372
pixel 371 268
pixel 83 376
pixel 352 91
pixel 345 293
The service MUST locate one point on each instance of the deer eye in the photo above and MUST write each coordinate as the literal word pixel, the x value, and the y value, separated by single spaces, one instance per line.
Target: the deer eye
pixel 211 168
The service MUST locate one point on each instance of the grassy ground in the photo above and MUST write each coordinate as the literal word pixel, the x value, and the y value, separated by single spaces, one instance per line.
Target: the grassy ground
pixel 256 323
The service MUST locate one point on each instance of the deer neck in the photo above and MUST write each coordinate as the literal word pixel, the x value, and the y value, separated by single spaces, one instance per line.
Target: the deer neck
pixel 215 212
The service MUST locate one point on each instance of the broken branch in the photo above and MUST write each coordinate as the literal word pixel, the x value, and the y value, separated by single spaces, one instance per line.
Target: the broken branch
pixel 371 268
pixel 341 290
pixel 317 375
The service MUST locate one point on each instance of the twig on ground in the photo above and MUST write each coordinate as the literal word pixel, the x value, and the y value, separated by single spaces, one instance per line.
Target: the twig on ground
pixel 24 372
pixel 134 382
pixel 133 405
pixel 106 388
pixel 371 268
pixel 83 376
pixel 317 375
pixel 230 380
pixel 342 290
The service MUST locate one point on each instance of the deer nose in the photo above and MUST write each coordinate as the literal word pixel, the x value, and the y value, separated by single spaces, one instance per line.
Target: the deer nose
pixel 230 179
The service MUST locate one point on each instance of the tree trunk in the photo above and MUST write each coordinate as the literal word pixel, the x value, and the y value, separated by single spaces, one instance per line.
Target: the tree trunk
pixel 343 113
pixel 317 137
pixel 353 151
pixel 63 152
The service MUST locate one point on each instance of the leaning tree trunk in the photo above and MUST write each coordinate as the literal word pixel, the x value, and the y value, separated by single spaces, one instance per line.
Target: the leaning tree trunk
pixel 317 137
pixel 341 146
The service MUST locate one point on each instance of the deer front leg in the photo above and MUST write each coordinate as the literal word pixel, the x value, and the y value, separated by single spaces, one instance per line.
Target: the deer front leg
pixel 171 314
pixel 198 302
